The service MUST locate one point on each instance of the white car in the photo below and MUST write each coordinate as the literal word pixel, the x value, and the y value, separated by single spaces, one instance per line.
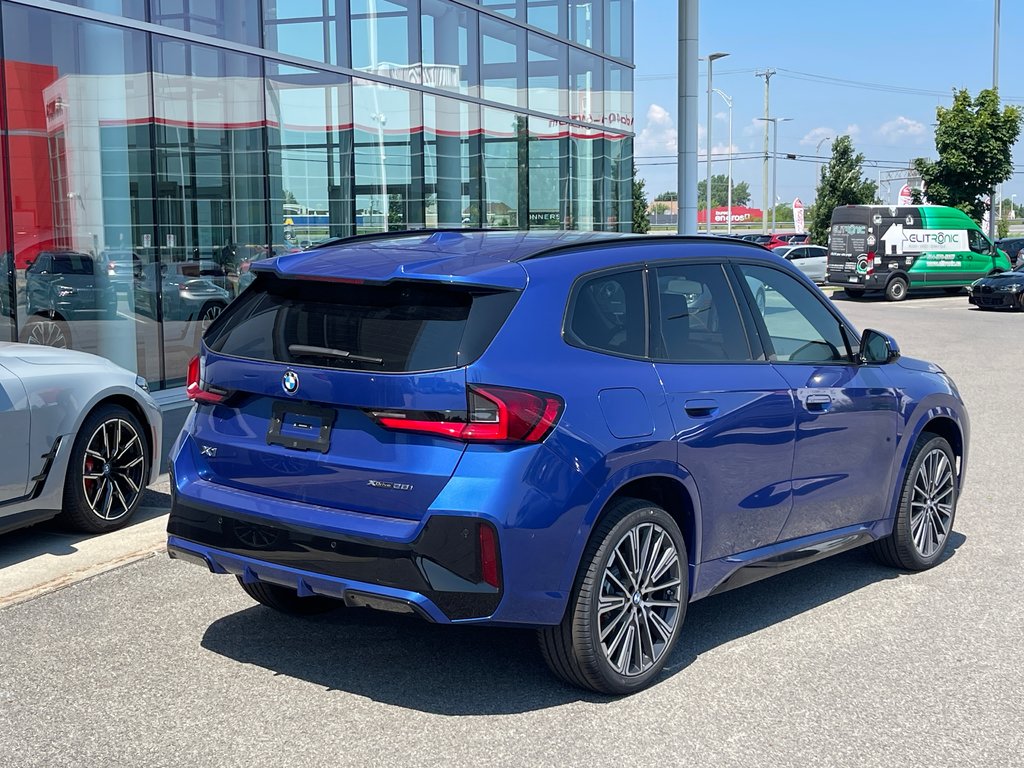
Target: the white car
pixel 809 259
pixel 77 439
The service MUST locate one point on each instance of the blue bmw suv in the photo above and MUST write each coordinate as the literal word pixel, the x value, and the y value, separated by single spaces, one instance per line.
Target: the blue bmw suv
pixel 581 433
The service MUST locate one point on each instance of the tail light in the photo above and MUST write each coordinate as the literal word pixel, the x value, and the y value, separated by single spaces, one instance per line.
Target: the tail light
pixel 493 415
pixel 488 540
pixel 111 269
pixel 196 387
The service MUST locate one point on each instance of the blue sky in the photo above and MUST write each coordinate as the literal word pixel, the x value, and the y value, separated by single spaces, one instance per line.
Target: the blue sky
pixel 917 50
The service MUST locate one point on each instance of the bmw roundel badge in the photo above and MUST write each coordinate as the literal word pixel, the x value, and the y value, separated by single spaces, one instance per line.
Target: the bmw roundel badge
pixel 290 382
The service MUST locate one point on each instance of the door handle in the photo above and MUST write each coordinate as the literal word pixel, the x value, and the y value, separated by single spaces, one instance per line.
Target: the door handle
pixel 701 409
pixel 818 402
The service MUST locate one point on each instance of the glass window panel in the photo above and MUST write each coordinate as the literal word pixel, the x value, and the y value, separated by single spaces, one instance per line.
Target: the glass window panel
pixel 388 149
pixel 307 28
pixel 237 20
pixel 549 175
pixel 78 127
pixel 549 15
pixel 608 314
pixel 586 75
pixel 585 22
pixel 618 96
pixel 451 162
pixel 585 171
pixel 501 177
pixel 132 9
pixel 504 62
pixel 310 148
pixel 450 47
pixel 211 185
pixel 698 319
pixel 618 28
pixel 548 76
pixel 383 38
pixel 510 8
pixel 620 194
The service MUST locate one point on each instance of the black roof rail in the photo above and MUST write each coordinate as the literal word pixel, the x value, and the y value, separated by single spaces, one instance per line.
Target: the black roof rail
pixel 632 238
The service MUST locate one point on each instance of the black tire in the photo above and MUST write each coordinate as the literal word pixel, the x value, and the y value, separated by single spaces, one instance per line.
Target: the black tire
pixel 900 549
pixel 854 293
pixel 896 289
pixel 574 650
pixel 287 600
pixel 120 477
pixel 210 311
pixel 760 300
pixel 953 291
pixel 1020 302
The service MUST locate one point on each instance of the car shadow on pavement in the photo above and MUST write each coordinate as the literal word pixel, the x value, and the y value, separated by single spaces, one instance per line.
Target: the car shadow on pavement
pixel 464 670
pixel 51 537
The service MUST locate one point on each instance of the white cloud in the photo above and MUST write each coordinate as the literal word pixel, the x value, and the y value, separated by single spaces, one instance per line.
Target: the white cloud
pixel 901 129
pixel 823 133
pixel 659 135
pixel 724 149
pixel 721 116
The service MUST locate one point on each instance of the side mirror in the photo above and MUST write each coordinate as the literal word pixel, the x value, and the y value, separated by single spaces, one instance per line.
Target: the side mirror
pixel 877 347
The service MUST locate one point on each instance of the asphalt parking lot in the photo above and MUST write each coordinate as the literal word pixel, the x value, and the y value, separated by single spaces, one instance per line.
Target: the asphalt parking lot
pixel 841 663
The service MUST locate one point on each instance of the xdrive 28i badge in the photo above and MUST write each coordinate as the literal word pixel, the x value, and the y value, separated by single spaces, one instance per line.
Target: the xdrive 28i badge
pixel 290 382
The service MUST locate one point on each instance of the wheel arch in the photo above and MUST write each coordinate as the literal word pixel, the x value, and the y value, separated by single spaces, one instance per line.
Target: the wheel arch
pixel 662 483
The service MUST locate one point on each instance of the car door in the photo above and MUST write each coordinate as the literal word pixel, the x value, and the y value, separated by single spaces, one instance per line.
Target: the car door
pixel 14 422
pixel 980 260
pixel 847 417
pixel 733 414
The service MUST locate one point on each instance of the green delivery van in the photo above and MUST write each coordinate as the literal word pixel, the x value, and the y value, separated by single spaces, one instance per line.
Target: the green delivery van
pixel 895 249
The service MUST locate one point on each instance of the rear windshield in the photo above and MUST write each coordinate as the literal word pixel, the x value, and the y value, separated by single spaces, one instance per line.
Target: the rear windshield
pixel 399 326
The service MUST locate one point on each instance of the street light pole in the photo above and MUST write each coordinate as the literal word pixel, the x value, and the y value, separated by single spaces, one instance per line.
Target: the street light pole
pixel 817 150
pixel 728 101
pixel 775 160
pixel 711 57
pixel 995 87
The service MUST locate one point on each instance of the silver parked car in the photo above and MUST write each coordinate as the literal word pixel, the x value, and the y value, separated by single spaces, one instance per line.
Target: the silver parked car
pixel 809 259
pixel 78 436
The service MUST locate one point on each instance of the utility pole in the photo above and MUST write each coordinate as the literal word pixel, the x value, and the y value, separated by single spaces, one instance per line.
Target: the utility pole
pixel 995 87
pixel 767 75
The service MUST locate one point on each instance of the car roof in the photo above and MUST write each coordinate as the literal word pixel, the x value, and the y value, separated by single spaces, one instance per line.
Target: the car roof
pixel 465 256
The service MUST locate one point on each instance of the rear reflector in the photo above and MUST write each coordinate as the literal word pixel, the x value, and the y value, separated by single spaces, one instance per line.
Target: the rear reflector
pixel 493 414
pixel 489 556
pixel 196 388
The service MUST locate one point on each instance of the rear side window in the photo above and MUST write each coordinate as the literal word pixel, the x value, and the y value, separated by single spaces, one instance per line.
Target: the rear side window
pixel 697 319
pixel 396 327
pixel 608 314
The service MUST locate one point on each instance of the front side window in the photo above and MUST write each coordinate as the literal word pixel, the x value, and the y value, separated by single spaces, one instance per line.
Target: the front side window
pixel 697 318
pixel 800 327
pixel 978 242
pixel 608 314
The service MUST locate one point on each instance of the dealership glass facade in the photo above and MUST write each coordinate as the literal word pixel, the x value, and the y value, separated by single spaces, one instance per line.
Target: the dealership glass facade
pixel 151 150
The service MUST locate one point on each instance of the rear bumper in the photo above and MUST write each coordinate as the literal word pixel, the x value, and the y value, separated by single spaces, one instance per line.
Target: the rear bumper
pixel 435 575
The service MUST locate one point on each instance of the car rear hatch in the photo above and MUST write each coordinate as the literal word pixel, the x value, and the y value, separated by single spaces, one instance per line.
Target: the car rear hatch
pixel 302 377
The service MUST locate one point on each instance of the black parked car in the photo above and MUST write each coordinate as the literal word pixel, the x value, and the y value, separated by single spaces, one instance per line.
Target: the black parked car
pixel 1004 290
pixel 1014 248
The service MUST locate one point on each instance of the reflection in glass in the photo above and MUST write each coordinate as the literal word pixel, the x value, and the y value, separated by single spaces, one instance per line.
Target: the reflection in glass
pixel 510 8
pixel 618 28
pixel 388 184
pixel 235 20
pixel 503 68
pixel 7 303
pixel 585 22
pixel 618 96
pixel 210 185
pixel 132 9
pixel 382 37
pixel 307 28
pixel 78 112
pixel 548 15
pixel 451 49
pixel 549 178
pixel 586 75
pixel 451 162
pixel 503 187
pixel 548 76
pixel 310 147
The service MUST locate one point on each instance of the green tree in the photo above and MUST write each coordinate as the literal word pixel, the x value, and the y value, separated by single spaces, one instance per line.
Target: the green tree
pixel 783 214
pixel 842 182
pixel 720 192
pixel 289 197
pixel 973 139
pixel 641 221
pixel 667 197
pixel 658 208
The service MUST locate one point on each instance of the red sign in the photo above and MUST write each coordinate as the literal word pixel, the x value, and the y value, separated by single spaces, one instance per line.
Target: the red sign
pixel 739 215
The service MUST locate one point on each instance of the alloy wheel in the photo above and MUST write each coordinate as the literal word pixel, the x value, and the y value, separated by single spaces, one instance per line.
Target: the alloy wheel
pixel 47 333
pixel 931 505
pixel 640 599
pixel 211 314
pixel 113 469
